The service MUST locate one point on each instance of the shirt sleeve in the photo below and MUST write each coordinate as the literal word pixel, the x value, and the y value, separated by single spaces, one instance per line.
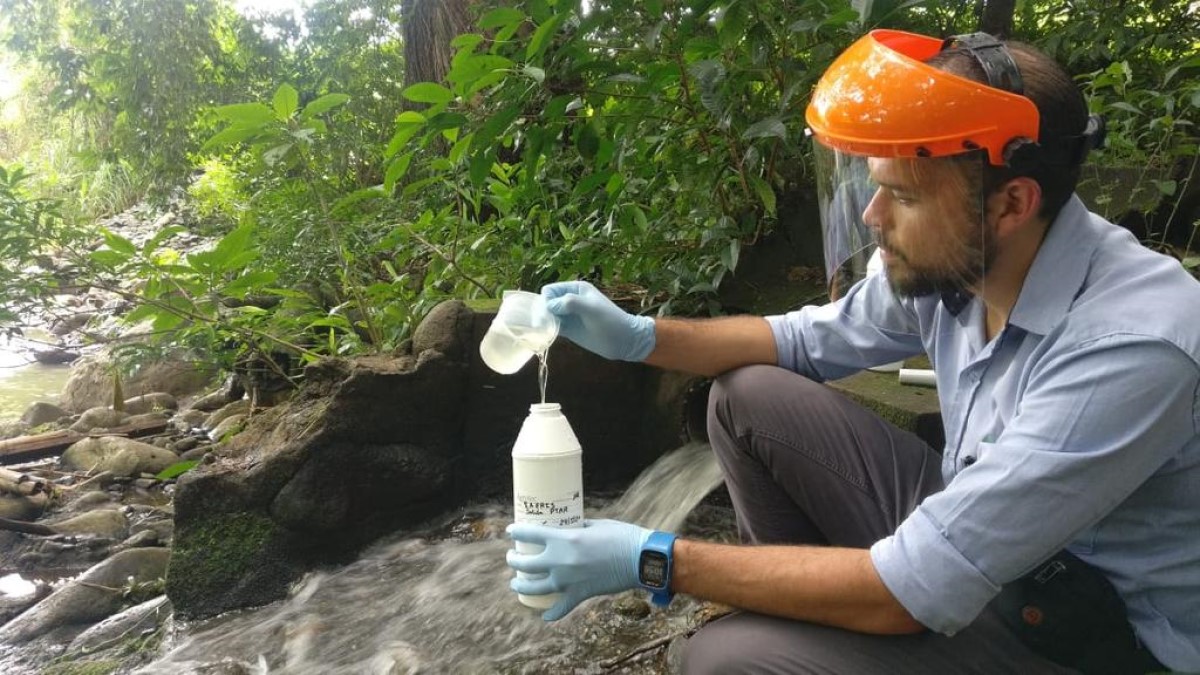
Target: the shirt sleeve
pixel 1092 425
pixel 869 326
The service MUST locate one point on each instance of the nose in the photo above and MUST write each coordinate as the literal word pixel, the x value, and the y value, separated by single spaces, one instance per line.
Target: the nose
pixel 873 215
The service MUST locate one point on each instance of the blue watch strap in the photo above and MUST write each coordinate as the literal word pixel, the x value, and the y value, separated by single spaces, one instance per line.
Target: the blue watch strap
pixel 657 557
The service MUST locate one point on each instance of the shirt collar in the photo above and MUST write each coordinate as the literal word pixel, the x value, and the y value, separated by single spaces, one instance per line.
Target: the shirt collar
pixel 1058 271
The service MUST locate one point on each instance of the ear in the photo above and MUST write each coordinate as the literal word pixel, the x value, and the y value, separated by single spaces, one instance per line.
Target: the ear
pixel 1014 205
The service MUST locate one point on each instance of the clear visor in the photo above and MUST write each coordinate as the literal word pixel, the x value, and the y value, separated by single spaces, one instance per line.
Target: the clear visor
pixel 919 220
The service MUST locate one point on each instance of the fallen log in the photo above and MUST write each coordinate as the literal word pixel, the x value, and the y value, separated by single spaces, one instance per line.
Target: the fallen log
pixel 27 448
pixel 26 528
pixel 19 483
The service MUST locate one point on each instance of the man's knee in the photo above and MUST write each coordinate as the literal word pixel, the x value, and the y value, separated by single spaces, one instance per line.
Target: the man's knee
pixel 738 394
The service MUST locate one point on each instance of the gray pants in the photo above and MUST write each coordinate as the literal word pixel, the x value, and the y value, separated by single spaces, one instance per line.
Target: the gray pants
pixel 805 465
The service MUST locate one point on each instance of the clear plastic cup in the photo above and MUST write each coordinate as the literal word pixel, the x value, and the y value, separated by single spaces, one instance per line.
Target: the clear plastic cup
pixel 522 327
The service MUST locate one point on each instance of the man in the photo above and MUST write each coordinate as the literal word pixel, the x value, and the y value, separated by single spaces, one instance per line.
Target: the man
pixel 1068 367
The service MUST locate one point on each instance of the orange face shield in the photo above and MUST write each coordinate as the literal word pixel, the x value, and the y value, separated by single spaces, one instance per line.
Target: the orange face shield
pixel 880 99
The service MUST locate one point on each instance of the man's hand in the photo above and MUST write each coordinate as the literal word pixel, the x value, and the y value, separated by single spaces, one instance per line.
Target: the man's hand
pixel 592 321
pixel 599 558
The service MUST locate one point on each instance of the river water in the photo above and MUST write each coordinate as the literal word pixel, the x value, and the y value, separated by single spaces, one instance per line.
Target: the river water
pixel 440 603
pixel 23 381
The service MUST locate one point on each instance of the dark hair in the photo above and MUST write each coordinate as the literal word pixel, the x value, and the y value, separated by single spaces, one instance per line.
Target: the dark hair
pixel 1062 113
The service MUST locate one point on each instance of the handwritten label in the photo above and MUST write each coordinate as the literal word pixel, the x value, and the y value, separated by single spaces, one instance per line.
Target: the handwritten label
pixel 555 511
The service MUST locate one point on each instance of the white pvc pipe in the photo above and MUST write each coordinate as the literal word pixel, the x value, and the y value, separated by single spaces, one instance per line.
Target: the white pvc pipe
pixel 918 377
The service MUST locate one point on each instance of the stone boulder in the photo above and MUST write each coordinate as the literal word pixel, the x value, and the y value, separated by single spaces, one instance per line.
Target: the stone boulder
pixel 95 595
pixel 147 403
pixel 378 444
pixel 117 455
pixel 91 381
pixel 106 523
pixel 99 418
pixel 41 412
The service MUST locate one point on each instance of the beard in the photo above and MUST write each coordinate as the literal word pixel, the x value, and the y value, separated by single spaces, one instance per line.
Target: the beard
pixel 914 278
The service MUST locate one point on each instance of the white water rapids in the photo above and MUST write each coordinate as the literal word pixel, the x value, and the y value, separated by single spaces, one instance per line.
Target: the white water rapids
pixel 417 605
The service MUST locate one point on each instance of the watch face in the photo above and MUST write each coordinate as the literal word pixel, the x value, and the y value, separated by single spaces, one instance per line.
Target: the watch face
pixel 652 569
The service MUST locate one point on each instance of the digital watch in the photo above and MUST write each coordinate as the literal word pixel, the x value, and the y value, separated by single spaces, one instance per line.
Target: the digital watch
pixel 655 565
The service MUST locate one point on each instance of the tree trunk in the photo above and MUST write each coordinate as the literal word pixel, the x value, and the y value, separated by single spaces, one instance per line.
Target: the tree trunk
pixel 429 26
pixel 997 17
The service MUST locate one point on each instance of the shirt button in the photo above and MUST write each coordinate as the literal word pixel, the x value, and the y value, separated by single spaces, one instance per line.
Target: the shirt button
pixel 968 460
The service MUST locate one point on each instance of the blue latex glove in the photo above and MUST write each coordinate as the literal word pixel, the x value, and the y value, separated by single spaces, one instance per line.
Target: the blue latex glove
pixel 580 562
pixel 592 321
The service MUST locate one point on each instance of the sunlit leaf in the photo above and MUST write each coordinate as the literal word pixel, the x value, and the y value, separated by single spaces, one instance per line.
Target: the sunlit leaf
pixel 286 101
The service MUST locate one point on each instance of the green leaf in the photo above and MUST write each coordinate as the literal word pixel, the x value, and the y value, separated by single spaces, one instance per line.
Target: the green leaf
pixel 324 104
pixel 396 171
pixel 503 16
pixel 534 73
pixel 428 92
pixel 286 101
pixel 231 135
pixel 1191 262
pixel 177 469
pixel 245 113
pixel 481 166
pixel 231 248
pixel 541 37
pixel 343 205
pixel 274 155
pixel 1166 187
pixel 771 126
pixel 766 194
pixel 252 281
pixel 118 243
pixel 109 258
pixel 159 237
pixel 408 123
pixel 1122 105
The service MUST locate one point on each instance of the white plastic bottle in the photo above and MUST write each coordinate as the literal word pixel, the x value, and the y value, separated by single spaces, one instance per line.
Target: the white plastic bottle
pixel 547 480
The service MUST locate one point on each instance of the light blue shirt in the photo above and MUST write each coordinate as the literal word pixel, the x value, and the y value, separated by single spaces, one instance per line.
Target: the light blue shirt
pixel 1077 427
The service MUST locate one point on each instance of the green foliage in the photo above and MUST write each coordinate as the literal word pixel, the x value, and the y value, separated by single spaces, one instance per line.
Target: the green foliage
pixel 30 228
pixel 177 469
pixel 641 144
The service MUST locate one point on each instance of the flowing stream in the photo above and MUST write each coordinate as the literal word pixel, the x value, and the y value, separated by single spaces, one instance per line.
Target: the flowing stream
pixel 433 604
pixel 23 381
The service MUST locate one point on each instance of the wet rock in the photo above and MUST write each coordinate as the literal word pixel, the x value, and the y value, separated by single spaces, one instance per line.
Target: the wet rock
pixel 147 537
pixel 96 594
pixel 193 419
pixel 11 606
pixel 70 324
pixel 212 402
pixel 91 381
pixel 89 501
pixel 228 427
pixel 184 444
pixel 13 429
pixel 132 621
pixel 120 456
pixel 153 402
pixel 195 453
pixel 631 606
pixel 163 529
pixel 98 418
pixel 16 507
pixel 54 356
pixel 447 329
pixel 107 523
pixel 41 412
pixel 149 418
pixel 236 408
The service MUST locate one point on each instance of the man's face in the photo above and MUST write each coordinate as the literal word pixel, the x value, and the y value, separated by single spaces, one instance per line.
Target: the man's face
pixel 927 221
